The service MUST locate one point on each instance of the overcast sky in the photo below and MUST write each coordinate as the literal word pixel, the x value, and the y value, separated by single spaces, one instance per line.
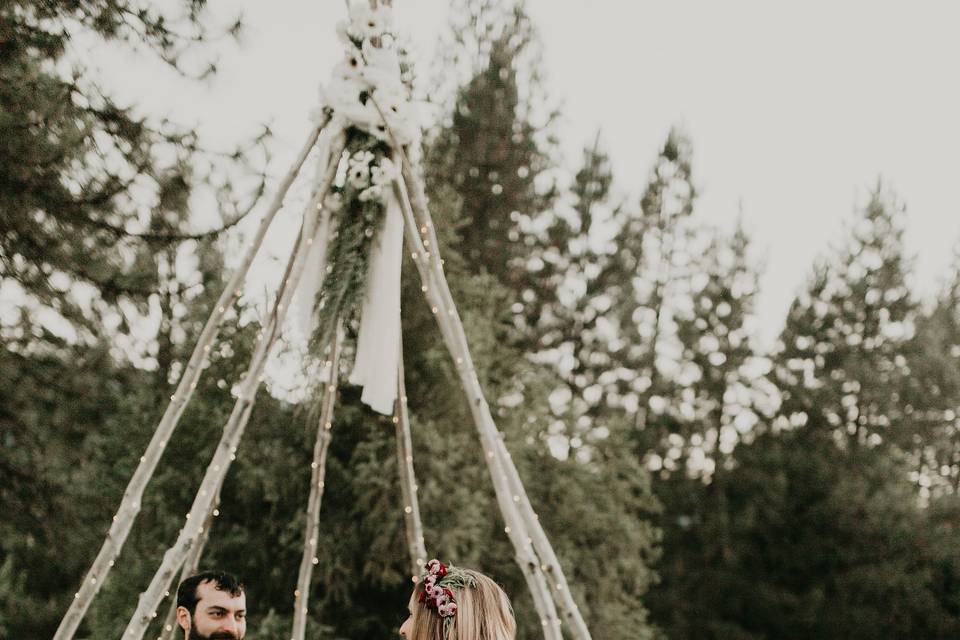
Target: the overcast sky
pixel 794 109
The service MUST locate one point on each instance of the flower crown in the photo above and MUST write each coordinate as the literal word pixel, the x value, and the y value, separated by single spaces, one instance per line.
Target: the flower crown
pixel 437 594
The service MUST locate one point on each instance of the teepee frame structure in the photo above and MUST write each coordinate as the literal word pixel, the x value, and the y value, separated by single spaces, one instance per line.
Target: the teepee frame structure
pixel 534 553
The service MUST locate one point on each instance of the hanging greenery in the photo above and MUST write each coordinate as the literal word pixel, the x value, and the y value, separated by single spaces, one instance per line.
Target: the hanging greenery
pixel 358 210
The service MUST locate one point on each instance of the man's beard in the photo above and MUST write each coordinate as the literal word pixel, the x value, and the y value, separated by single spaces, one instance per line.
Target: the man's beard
pixel 216 635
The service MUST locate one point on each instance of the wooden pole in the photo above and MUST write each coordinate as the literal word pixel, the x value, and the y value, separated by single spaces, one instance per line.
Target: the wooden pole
pixel 133 495
pixel 233 431
pixel 515 529
pixel 557 580
pixel 190 566
pixel 408 480
pixel 317 481
pixel 550 563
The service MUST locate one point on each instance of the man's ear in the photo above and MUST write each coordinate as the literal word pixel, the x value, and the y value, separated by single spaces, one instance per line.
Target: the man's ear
pixel 183 618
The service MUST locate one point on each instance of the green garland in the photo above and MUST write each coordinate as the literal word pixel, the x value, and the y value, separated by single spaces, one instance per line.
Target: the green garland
pixel 358 224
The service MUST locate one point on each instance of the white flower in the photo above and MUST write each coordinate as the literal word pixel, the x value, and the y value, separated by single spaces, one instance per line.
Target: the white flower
pixel 365 117
pixel 344 72
pixel 354 61
pixel 382 54
pixel 362 157
pixel 379 65
pixel 343 95
pixel 375 77
pixel 359 176
pixel 402 117
pixel 371 193
pixel 369 23
pixel 383 173
pixel 390 95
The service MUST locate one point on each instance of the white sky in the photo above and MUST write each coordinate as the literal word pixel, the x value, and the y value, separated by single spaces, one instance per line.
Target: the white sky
pixel 794 109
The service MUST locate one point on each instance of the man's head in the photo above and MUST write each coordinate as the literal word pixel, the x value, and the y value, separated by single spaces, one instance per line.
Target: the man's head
pixel 212 606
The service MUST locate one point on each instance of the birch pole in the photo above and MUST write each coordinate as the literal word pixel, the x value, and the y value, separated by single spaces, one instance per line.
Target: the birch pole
pixel 225 452
pixel 319 470
pixel 133 495
pixel 190 565
pixel 413 525
pixel 525 556
pixel 460 349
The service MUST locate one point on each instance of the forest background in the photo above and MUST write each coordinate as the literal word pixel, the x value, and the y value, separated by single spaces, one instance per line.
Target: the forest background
pixel 696 481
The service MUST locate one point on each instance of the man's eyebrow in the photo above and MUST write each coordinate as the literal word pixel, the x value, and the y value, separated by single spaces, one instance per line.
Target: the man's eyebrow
pixel 217 607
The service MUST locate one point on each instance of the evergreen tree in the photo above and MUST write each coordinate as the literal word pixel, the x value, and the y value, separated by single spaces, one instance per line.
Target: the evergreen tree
pixel 574 333
pixel 841 357
pixel 494 147
pixel 686 363
pixel 931 394
pixel 812 542
pixel 813 530
pixel 92 198
pixel 647 273
pixel 723 375
pixel 76 165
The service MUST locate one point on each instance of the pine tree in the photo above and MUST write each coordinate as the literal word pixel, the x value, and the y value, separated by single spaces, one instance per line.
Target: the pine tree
pixel 92 196
pixel 932 392
pixel 841 356
pixel 494 147
pixel 814 531
pixel 574 333
pixel 644 282
pixel 812 542
pixel 75 164
pixel 722 373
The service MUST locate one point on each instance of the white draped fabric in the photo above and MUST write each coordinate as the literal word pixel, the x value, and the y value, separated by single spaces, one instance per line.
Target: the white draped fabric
pixel 303 314
pixel 378 343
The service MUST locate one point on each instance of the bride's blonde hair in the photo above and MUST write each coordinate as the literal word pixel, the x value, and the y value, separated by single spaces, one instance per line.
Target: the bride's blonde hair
pixel 483 613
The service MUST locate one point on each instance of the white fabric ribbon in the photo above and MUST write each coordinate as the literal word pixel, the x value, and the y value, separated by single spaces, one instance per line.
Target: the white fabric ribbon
pixel 304 317
pixel 378 343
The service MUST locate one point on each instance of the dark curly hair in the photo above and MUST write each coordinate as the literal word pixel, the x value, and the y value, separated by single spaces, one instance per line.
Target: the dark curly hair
pixel 223 581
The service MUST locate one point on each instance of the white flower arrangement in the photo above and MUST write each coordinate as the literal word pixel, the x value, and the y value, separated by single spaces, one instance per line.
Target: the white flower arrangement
pixel 369 77
pixel 367 100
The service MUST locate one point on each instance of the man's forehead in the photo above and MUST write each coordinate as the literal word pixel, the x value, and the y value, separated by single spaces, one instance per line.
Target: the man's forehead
pixel 209 596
